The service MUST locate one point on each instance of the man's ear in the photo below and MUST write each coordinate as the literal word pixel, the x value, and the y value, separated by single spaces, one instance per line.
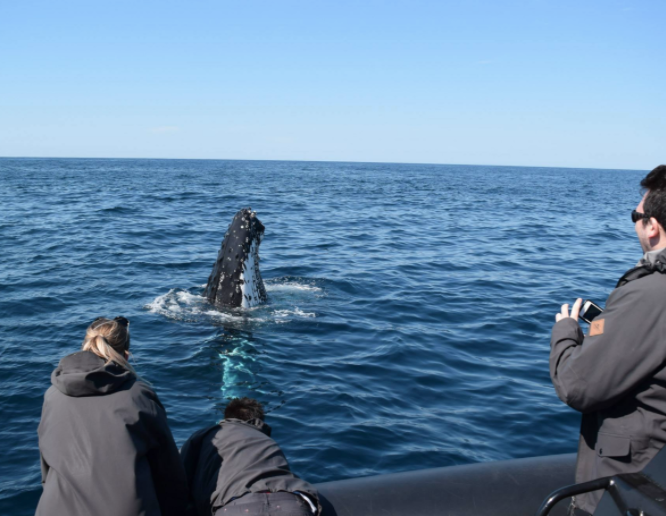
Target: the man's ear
pixel 653 228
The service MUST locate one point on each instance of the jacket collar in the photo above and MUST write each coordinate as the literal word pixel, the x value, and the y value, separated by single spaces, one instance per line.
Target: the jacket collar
pixel 652 261
pixel 652 257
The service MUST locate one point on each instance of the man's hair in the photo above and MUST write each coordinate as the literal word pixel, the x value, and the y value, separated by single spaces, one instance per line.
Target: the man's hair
pixel 655 202
pixel 244 409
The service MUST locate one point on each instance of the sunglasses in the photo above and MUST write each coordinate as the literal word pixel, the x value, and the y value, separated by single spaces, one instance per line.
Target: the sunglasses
pixel 122 320
pixel 637 215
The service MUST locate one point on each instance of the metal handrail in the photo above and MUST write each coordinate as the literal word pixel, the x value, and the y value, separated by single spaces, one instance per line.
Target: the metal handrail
pixel 572 490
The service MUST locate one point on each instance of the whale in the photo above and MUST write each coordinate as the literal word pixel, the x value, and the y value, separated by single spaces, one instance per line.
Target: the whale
pixel 235 280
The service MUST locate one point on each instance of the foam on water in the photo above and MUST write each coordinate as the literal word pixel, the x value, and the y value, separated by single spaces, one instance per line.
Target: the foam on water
pixel 291 286
pixel 282 316
pixel 188 305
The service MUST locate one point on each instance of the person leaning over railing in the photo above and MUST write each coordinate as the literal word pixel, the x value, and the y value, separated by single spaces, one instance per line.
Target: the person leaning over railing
pixel 235 468
pixel 105 446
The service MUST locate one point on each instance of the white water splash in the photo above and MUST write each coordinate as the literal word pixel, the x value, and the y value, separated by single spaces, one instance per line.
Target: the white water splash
pixel 292 286
pixel 286 299
pixel 182 305
pixel 286 315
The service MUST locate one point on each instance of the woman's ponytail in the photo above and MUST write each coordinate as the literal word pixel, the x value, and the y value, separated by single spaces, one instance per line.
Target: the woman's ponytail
pixel 109 339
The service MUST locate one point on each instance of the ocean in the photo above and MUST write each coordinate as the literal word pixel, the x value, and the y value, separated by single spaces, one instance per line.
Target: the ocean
pixel 409 312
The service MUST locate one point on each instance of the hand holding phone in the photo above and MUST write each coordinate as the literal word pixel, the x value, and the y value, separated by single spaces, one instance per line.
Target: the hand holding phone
pixel 589 311
pixel 575 310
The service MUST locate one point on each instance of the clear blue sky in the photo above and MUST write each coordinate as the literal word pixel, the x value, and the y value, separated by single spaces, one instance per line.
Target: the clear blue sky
pixel 574 83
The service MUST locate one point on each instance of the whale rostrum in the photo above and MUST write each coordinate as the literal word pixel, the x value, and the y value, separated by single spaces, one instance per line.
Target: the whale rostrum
pixel 235 279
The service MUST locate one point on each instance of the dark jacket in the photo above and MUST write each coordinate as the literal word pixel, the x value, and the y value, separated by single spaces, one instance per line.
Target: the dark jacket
pixel 233 458
pixel 105 445
pixel 616 376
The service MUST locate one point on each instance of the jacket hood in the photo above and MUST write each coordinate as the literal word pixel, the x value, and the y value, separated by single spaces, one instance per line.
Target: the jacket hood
pixel 254 423
pixel 85 374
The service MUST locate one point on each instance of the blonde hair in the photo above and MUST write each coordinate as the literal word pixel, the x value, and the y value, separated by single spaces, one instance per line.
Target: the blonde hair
pixel 108 339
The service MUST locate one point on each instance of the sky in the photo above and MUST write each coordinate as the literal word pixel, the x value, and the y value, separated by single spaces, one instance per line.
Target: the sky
pixel 557 83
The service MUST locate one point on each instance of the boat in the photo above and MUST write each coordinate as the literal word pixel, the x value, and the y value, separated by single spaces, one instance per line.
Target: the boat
pixel 514 487
pixel 536 486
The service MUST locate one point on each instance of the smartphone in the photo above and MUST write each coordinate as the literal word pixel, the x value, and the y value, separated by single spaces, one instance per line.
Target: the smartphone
pixel 589 311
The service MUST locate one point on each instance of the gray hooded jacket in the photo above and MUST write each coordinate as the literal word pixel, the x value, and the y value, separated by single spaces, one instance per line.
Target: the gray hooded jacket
pixel 105 445
pixel 234 458
pixel 616 376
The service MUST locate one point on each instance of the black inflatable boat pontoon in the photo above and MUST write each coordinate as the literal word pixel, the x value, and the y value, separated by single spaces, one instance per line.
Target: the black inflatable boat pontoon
pixel 505 488
pixel 519 487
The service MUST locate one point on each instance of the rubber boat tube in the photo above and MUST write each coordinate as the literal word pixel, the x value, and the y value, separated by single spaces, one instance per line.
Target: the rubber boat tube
pixel 505 488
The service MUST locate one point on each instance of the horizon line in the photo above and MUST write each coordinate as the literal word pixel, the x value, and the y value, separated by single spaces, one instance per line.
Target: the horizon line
pixel 328 161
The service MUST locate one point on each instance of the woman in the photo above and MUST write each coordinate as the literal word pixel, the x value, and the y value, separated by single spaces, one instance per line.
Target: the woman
pixel 105 445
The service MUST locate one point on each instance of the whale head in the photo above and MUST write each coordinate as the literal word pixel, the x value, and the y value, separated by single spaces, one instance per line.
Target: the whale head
pixel 235 280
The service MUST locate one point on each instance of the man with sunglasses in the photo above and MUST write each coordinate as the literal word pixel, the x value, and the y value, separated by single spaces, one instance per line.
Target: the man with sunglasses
pixel 616 374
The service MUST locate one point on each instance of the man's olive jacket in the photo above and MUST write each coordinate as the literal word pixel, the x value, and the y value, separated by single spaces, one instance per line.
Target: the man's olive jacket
pixel 616 376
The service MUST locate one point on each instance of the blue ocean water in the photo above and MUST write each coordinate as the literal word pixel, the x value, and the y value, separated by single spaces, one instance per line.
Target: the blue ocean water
pixel 410 305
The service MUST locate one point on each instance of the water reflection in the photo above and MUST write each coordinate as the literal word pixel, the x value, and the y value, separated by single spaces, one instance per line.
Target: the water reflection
pixel 240 359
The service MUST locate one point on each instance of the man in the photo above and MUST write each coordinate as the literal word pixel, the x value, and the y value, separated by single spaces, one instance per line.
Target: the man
pixel 616 375
pixel 234 467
